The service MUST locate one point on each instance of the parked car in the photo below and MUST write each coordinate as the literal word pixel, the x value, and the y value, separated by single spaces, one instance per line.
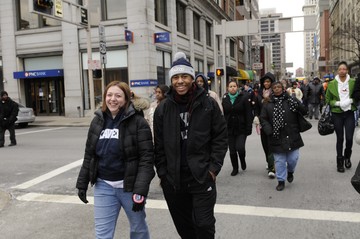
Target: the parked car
pixel 25 116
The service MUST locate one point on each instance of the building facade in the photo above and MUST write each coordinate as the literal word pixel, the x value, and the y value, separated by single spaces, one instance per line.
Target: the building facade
pixel 44 61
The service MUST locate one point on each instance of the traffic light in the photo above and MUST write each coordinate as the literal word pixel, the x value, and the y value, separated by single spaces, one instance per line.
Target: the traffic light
pixel 219 72
pixel 45 3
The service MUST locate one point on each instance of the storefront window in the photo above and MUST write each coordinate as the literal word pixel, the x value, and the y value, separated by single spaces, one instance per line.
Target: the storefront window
pixel 116 69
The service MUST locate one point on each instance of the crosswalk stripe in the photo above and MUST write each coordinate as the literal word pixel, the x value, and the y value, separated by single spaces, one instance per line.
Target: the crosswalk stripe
pixel 49 175
pixel 219 208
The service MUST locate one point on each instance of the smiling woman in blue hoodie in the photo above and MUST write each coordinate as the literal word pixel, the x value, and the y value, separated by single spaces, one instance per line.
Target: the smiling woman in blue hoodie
pixel 119 161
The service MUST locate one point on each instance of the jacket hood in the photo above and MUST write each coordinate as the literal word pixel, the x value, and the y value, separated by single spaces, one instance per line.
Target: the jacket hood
pixel 268 75
pixel 140 103
pixel 206 85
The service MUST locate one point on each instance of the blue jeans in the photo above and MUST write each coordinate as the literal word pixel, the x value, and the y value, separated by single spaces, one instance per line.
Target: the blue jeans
pixel 107 204
pixel 285 162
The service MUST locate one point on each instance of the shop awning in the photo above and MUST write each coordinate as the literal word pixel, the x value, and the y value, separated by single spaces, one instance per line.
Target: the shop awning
pixel 244 75
pixel 251 74
pixel 231 71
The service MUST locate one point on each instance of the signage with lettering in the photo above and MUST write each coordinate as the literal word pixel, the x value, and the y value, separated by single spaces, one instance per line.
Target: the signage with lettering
pixel 137 83
pixel 161 37
pixel 257 65
pixel 129 36
pixel 38 74
pixel 83 16
pixel 58 8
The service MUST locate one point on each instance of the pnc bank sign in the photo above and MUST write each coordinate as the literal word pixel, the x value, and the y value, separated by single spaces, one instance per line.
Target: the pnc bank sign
pixel 38 74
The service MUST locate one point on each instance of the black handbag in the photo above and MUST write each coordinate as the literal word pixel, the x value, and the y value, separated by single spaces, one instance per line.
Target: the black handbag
pixel 325 125
pixel 304 125
pixel 355 180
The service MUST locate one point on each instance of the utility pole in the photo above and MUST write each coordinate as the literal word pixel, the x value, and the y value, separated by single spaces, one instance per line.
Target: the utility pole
pixel 89 53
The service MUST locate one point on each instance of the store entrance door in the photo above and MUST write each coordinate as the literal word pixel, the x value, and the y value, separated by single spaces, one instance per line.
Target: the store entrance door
pixel 46 95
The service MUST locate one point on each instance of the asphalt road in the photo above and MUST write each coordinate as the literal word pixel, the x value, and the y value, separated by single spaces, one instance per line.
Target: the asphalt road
pixel 38 196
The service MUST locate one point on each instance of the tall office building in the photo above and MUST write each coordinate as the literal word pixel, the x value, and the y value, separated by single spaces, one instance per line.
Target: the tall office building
pixel 310 42
pixel 277 40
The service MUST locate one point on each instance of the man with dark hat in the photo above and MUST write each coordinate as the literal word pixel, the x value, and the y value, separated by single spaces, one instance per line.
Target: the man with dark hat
pixel 8 113
pixel 190 145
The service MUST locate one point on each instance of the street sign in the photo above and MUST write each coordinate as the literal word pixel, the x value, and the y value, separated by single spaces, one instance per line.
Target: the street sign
pixel 102 44
pixel 129 36
pixel 58 9
pixel 257 66
pixel 160 37
pixel 285 65
pixel 83 16
pixel 94 64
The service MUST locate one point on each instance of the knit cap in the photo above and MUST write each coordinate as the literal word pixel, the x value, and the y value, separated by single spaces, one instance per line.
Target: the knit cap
pixel 181 66
pixel 3 93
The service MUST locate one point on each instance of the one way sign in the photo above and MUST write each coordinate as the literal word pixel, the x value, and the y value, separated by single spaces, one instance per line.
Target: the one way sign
pixel 58 8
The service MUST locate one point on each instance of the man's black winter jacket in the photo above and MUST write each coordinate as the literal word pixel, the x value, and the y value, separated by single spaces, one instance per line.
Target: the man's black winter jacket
pixel 206 142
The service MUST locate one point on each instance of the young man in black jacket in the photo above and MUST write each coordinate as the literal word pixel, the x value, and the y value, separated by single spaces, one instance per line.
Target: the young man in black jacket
pixel 8 113
pixel 190 146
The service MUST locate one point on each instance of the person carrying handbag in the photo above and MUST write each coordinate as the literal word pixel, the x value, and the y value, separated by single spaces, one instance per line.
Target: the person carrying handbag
pixel 339 97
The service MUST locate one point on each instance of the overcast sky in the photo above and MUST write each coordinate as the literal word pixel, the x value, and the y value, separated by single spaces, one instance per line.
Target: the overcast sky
pixel 294 41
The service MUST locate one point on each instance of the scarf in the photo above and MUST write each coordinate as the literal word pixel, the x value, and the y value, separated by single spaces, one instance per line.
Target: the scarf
pixel 278 115
pixel 186 99
pixel 233 97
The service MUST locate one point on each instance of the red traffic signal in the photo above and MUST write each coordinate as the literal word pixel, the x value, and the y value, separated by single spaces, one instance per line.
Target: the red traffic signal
pixel 219 72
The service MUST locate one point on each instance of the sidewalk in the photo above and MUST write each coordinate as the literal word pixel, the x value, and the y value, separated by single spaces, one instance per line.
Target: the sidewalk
pixel 61 121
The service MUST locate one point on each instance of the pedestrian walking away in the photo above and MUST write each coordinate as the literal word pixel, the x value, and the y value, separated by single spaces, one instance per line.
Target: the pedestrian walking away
pixel 280 122
pixel 339 96
pixel 315 95
pixel 239 117
pixel 8 115
pixel 119 161
pixel 190 146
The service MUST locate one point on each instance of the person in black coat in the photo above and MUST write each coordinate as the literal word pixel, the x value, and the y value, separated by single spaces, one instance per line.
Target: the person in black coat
pixel 190 146
pixel 239 117
pixel 263 97
pixel 280 121
pixel 8 115
pixel 119 161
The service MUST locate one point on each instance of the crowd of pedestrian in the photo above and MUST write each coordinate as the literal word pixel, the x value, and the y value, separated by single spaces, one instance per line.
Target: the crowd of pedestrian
pixel 185 134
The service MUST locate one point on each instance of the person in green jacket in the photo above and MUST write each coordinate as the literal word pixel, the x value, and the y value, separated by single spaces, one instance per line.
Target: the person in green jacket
pixel 339 97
